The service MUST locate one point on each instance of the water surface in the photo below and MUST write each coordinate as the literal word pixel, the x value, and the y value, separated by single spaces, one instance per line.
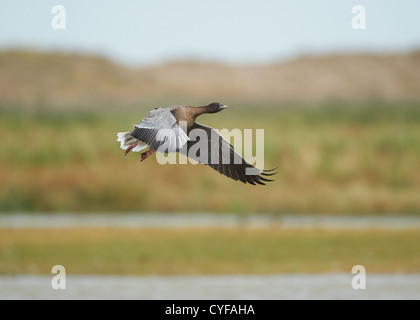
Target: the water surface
pixel 176 220
pixel 284 286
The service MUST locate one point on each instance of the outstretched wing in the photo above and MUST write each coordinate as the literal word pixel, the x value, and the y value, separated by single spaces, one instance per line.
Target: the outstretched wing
pixel 221 156
pixel 159 130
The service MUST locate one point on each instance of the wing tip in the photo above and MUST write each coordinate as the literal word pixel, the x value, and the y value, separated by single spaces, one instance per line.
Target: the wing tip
pixel 259 178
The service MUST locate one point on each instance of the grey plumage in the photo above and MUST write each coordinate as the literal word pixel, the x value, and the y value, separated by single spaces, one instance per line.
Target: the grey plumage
pixel 159 130
pixel 222 157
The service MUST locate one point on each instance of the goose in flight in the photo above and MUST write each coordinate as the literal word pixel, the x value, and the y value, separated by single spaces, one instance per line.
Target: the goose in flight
pixel 174 129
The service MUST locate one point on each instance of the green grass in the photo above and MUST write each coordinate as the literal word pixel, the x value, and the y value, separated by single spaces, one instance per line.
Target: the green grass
pixel 332 158
pixel 206 251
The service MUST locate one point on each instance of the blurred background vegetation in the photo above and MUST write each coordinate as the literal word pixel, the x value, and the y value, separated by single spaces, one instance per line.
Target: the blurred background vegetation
pixel 344 132
pixel 341 126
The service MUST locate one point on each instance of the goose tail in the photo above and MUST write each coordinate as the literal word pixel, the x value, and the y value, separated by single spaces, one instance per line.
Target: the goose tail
pixel 126 140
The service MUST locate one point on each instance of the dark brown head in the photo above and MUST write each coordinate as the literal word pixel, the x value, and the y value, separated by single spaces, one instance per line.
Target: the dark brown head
pixel 215 107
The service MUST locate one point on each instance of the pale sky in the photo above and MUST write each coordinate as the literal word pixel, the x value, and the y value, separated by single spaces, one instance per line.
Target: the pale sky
pixel 230 31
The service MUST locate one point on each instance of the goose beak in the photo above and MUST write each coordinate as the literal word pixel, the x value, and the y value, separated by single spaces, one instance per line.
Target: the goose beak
pixel 223 107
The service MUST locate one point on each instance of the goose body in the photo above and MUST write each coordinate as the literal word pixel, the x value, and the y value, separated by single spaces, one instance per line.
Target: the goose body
pixel 174 129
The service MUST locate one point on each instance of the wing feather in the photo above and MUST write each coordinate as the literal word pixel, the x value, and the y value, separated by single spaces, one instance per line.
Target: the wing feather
pixel 159 130
pixel 222 151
